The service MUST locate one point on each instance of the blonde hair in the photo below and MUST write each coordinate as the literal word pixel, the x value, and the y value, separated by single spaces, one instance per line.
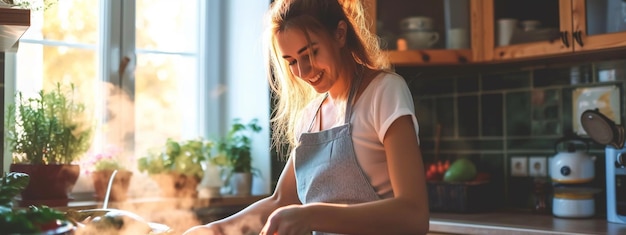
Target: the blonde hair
pixel 291 94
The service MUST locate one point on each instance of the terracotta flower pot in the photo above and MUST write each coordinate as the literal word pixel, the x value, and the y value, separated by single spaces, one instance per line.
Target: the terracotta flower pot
pixel 49 184
pixel 176 185
pixel 119 188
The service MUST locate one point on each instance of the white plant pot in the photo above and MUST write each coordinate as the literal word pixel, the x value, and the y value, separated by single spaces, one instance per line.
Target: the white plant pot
pixel 211 182
pixel 240 184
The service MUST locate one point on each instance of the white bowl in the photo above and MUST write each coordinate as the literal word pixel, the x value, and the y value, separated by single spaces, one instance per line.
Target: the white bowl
pixel 420 39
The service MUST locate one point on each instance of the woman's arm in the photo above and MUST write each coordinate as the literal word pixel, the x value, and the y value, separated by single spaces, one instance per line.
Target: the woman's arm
pixel 251 219
pixel 406 213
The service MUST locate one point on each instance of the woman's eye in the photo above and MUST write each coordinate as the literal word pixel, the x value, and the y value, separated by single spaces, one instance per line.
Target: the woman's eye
pixel 293 62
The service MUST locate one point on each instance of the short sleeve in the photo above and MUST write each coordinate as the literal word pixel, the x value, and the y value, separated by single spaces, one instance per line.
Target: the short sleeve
pixel 391 99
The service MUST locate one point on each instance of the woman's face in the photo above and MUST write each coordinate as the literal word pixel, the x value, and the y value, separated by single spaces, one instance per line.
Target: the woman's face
pixel 316 62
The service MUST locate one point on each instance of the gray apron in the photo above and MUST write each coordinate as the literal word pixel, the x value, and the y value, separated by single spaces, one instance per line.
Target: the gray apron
pixel 326 167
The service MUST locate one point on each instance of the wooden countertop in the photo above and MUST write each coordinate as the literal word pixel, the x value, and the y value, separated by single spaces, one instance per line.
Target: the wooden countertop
pixel 498 222
pixel 520 223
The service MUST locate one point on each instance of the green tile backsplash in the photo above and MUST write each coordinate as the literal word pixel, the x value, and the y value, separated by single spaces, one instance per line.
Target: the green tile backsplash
pixel 518 113
pixel 495 114
pixel 503 81
pixel 491 111
pixel 468 115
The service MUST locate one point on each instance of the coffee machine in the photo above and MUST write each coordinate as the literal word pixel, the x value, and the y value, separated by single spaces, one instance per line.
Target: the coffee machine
pixel 616 184
pixel 604 131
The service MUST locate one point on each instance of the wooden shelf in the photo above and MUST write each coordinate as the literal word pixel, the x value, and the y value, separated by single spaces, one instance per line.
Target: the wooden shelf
pixel 430 57
pixel 13 23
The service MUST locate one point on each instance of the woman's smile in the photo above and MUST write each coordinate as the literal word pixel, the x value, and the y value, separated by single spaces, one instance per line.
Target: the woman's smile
pixel 315 80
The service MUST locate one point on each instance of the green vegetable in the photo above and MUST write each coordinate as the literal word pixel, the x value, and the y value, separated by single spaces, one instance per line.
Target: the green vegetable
pixel 23 220
pixel 460 170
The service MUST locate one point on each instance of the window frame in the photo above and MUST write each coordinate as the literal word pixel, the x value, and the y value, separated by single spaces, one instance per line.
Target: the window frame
pixel 217 58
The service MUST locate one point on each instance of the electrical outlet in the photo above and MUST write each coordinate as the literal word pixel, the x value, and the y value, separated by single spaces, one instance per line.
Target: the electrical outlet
pixel 519 166
pixel 537 166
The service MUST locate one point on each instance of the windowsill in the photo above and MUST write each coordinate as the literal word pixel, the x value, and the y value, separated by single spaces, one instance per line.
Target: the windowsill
pixel 190 203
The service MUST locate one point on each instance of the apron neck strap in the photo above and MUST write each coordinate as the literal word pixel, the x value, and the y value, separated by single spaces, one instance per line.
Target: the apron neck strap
pixel 354 88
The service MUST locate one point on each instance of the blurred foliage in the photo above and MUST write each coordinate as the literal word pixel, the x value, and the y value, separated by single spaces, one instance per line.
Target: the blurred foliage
pixel 31 220
pixel 185 157
pixel 234 150
pixel 52 128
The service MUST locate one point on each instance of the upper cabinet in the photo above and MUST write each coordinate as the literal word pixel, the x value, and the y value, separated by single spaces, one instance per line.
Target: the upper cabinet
pixel 13 23
pixel 599 24
pixel 532 28
pixel 422 32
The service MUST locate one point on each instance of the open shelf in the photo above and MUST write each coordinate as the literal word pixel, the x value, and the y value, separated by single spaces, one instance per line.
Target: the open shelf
pixel 13 23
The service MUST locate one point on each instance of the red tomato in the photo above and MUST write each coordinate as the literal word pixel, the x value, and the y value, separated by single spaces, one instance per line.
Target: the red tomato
pixel 441 168
pixel 432 167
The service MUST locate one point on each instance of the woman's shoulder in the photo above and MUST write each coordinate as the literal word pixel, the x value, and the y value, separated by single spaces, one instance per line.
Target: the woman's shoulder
pixel 387 79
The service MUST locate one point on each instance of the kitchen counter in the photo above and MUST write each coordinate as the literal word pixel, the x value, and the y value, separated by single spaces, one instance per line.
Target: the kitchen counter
pixel 520 223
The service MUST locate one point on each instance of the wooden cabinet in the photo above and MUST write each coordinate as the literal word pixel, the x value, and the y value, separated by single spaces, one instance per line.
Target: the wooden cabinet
pixel 567 26
pixel 13 23
pixel 600 24
pixel 447 15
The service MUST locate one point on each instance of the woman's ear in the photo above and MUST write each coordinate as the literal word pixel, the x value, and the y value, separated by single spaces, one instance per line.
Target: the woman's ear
pixel 340 32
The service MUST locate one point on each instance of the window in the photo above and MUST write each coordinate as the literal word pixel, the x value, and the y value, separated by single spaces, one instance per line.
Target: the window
pixel 173 85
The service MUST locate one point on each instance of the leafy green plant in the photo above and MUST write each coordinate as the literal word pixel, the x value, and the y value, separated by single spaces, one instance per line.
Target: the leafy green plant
pixel 35 5
pixel 51 128
pixel 24 220
pixel 183 157
pixel 234 149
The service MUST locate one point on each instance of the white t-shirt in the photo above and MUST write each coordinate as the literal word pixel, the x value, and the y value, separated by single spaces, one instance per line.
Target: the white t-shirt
pixel 385 99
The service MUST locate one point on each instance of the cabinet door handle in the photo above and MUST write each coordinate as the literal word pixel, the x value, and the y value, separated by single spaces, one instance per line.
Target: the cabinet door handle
pixel 425 56
pixel 578 37
pixel 565 38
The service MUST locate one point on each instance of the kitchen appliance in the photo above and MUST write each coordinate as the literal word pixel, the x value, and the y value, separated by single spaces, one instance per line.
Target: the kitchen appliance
pixel 574 202
pixel 571 169
pixel 604 131
pixel 574 165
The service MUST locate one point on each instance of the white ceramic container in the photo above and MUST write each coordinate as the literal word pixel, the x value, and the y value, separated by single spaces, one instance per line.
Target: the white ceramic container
pixel 573 205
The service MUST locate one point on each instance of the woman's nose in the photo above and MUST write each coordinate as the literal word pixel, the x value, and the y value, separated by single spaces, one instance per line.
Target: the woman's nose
pixel 303 69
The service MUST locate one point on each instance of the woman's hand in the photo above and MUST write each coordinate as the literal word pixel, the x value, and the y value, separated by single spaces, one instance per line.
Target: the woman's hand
pixel 287 220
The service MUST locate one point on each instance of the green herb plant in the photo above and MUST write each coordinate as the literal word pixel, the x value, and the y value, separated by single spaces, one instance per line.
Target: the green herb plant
pixel 34 5
pixel 51 128
pixel 234 149
pixel 33 219
pixel 184 157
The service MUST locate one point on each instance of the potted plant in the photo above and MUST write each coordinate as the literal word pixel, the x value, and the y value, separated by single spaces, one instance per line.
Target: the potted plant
pixel 234 153
pixel 47 134
pixel 30 220
pixel 102 166
pixel 177 166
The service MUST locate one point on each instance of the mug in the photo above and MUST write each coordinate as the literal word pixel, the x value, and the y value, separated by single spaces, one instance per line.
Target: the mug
pixel 506 27
pixel 457 38
pixel 416 23
pixel 420 39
